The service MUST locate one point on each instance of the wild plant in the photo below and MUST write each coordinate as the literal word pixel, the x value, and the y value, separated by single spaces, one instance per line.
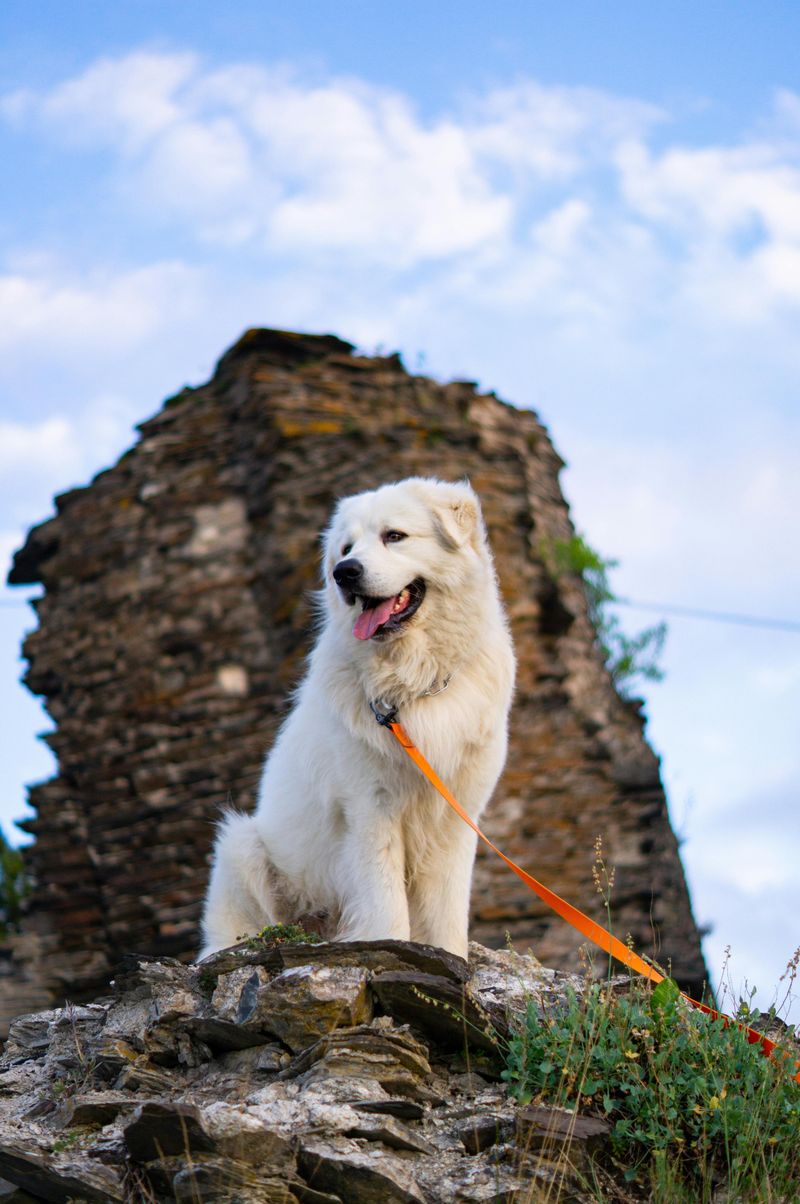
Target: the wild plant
pixel 694 1108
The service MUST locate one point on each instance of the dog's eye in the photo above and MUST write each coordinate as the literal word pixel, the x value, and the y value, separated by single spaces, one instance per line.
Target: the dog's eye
pixel 347 549
pixel 394 536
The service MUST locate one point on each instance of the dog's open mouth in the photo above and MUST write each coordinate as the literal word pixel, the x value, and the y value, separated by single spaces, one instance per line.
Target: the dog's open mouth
pixel 382 616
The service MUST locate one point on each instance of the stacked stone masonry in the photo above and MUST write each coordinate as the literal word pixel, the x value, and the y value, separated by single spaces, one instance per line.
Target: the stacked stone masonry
pixel 176 614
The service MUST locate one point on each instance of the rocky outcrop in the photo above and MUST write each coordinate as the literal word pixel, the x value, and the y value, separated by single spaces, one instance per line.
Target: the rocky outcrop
pixel 290 1074
pixel 174 622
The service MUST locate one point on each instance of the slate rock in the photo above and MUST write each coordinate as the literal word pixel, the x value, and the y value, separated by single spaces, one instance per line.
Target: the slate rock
pixel 94 1108
pixel 393 1058
pixel 558 1134
pixel 144 1078
pixel 481 1132
pixel 403 1109
pixel 212 1180
pixel 357 1177
pixel 58 1179
pixel 262 1059
pixel 375 956
pixel 158 1130
pixel 391 1132
pixel 243 1137
pixel 436 1005
pixel 223 1035
pixel 11 1194
pixel 299 1005
pixel 29 1036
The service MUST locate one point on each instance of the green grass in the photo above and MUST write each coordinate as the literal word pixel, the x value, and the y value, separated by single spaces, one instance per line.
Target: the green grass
pixel 693 1107
pixel 282 934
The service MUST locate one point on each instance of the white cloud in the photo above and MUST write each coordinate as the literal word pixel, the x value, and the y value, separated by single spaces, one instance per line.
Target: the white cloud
pixel 51 446
pixel 124 103
pixel 735 211
pixel 41 458
pixel 405 193
pixel 553 133
pixel 532 190
pixel 713 190
pixel 252 154
pixel 750 859
pixel 247 153
pixel 709 501
pixel 105 313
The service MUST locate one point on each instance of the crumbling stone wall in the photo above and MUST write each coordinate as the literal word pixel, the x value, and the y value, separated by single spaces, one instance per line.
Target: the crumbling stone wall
pixel 176 616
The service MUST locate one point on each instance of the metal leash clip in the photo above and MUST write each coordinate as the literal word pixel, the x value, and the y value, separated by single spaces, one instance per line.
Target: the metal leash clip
pixel 383 712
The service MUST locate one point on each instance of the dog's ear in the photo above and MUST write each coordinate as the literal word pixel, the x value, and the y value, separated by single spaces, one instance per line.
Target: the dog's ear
pixel 455 513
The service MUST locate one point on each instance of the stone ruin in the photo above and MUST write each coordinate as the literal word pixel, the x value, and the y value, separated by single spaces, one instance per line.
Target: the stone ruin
pixel 175 617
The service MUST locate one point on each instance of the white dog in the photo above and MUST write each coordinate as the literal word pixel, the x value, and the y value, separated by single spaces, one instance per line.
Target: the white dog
pixel 346 825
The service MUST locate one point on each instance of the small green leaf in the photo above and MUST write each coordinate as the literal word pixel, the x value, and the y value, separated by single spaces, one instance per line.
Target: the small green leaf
pixel 665 994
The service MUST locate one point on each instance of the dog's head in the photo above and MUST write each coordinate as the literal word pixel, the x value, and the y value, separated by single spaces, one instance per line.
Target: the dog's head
pixel 390 552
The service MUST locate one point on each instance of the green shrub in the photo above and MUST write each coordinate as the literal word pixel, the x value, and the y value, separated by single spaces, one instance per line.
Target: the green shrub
pixel 626 657
pixel 691 1103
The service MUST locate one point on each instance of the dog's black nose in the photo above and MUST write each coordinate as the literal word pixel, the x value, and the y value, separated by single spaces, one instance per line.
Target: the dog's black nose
pixel 348 573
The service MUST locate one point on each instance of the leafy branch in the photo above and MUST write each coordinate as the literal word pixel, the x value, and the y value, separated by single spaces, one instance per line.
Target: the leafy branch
pixel 627 657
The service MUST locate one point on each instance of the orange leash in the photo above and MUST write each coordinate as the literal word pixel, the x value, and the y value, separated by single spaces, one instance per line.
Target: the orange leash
pixel 589 928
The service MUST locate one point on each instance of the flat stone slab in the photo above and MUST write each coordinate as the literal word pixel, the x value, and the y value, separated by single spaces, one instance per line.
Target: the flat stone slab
pixel 358 1178
pixel 48 1177
pixel 556 1133
pixel 438 1006
pixel 159 1130
pixel 376 956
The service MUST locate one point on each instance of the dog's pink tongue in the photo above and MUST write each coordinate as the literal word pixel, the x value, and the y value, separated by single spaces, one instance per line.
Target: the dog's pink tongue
pixel 370 620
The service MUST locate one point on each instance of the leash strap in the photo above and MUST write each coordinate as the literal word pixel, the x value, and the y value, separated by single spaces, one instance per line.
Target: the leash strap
pixel 587 927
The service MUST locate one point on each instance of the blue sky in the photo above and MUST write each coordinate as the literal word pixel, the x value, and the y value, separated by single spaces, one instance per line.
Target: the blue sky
pixel 592 209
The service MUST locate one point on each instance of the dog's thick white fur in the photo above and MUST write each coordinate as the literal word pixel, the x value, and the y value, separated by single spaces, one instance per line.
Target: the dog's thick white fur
pixel 346 825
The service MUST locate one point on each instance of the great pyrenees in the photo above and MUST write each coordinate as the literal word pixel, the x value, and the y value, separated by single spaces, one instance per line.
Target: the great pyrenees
pixel 346 826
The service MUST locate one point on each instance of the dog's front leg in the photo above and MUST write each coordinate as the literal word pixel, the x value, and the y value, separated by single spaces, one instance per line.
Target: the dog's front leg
pixel 373 889
pixel 440 890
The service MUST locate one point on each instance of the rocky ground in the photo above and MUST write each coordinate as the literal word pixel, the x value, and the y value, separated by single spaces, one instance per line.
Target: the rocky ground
pixel 282 1073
